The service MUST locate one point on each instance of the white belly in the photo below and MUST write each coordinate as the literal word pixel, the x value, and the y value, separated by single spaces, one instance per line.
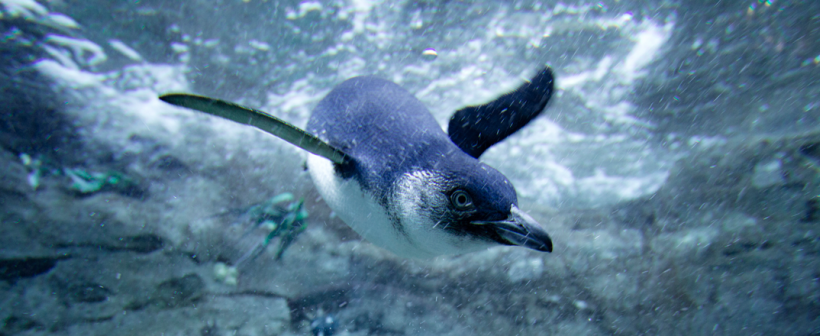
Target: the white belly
pixel 358 209
pixel 369 219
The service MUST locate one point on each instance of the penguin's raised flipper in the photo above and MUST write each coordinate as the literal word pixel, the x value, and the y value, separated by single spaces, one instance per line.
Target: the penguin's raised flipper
pixel 258 119
pixel 476 128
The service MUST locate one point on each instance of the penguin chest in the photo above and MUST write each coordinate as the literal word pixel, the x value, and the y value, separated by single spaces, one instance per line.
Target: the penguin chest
pixel 359 209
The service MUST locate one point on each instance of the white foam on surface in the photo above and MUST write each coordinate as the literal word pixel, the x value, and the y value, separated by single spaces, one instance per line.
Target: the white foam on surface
pixel 549 164
pixel 558 168
pixel 85 52
pixel 125 50
pixel 60 20
pixel 67 75
pixel 648 43
pixel 305 7
pixel 28 9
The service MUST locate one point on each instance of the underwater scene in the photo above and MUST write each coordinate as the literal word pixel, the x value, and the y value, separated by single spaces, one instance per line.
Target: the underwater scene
pixel 372 167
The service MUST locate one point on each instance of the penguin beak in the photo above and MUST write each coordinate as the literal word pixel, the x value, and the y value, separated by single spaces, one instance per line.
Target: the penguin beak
pixel 522 230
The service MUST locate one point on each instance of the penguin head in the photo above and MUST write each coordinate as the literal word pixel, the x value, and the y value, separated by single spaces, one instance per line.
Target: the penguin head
pixel 468 204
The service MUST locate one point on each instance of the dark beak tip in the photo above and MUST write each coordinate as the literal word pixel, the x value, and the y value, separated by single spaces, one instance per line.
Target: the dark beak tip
pixel 546 245
pixel 530 238
pixel 543 238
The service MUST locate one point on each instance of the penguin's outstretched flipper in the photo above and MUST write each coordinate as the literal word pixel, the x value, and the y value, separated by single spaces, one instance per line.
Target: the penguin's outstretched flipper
pixel 476 128
pixel 258 119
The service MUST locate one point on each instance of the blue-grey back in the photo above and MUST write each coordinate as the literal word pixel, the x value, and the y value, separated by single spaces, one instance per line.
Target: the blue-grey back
pixel 384 128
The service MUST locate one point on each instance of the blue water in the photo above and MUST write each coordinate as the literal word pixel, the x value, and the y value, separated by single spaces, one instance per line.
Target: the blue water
pixel 676 168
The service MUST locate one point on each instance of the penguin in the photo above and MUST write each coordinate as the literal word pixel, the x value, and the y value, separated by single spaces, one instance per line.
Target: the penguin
pixel 385 166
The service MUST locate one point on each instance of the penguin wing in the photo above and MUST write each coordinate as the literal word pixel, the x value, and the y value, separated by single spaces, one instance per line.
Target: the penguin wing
pixel 261 120
pixel 476 128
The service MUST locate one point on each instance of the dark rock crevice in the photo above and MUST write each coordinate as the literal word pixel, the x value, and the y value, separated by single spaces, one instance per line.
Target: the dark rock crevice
pixel 14 269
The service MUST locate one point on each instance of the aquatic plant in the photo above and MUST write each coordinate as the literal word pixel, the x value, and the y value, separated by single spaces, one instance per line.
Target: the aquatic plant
pixel 88 182
pixel 281 217
pixel 284 221
pixel 35 169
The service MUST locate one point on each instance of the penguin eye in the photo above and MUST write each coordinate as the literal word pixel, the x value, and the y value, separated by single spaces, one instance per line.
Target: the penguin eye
pixel 461 200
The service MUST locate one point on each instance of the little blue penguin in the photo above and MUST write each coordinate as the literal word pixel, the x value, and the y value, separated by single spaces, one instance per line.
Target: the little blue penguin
pixel 385 166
